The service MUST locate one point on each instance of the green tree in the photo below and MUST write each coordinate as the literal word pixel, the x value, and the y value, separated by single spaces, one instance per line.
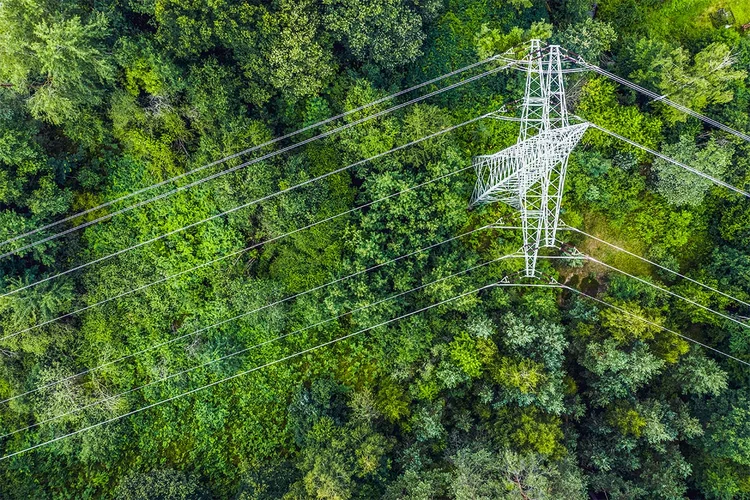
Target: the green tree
pixel 483 474
pixel 278 45
pixel 681 187
pixel 588 38
pixel 386 32
pixel 494 41
pixel 618 373
pixel 59 63
pixel 340 461
pixel 32 189
pixel 599 105
pixel 289 53
pixel 704 81
pixel 164 484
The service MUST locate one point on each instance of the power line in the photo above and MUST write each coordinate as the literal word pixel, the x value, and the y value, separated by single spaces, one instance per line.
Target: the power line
pixel 612 245
pixel 560 285
pixel 244 205
pixel 665 290
pixel 691 82
pixel 230 255
pixel 255 346
pixel 655 324
pixel 662 98
pixel 250 150
pixel 192 391
pixel 668 159
pixel 248 313
pixel 266 365
pixel 255 160
pixel 529 175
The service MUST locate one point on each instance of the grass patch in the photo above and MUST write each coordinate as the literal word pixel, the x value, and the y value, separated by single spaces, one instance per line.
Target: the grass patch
pixel 679 19
pixel 697 13
pixel 599 226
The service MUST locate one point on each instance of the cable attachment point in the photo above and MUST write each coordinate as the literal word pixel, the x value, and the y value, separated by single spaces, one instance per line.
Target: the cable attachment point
pixel 571 251
pixel 544 276
pixel 505 223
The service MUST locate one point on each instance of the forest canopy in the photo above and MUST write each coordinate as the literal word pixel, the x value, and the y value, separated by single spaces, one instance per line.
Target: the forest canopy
pixel 160 309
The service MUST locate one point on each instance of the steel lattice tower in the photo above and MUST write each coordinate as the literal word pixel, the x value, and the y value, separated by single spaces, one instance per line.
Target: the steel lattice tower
pixel 530 175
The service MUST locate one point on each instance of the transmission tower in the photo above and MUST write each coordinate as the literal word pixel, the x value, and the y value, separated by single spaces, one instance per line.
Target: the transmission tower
pixel 530 175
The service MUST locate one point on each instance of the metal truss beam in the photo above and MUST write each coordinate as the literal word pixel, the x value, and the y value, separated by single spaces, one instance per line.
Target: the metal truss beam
pixel 530 175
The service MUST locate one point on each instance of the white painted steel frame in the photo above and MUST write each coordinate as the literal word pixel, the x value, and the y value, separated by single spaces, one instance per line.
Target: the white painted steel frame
pixel 530 175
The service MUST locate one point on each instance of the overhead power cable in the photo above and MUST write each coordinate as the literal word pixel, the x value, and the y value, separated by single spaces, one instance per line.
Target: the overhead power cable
pixel 691 82
pixel 662 98
pixel 625 311
pixel 633 315
pixel 266 365
pixel 247 313
pixel 566 227
pixel 254 160
pixel 230 255
pixel 244 205
pixel 254 346
pixel 250 150
pixel 668 159
pixel 667 291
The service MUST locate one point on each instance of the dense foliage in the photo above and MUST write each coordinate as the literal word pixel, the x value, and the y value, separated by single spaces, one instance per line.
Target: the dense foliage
pixel 499 392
